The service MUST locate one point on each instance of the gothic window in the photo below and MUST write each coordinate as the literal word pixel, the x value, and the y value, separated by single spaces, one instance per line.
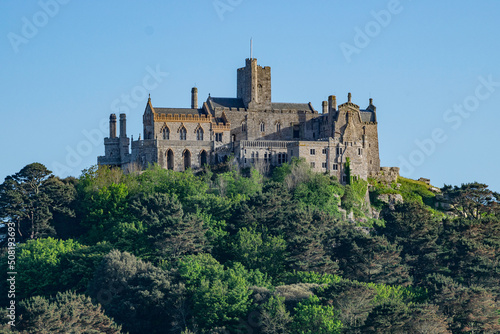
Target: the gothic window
pixel 187 159
pixel 278 127
pixel 243 127
pixel 262 127
pixel 203 158
pixel 182 133
pixel 199 134
pixel 166 133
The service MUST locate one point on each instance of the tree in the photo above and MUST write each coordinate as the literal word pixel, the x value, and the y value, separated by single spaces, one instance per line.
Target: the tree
pixel 353 300
pixel 140 296
pixel 66 313
pixel 366 258
pixel 38 266
pixel 219 296
pixel 275 319
pixel 413 226
pixel 313 318
pixel 258 251
pixel 473 200
pixel 172 233
pixel 29 198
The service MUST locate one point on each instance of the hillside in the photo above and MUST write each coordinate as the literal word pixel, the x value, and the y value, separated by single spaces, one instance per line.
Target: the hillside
pixel 230 251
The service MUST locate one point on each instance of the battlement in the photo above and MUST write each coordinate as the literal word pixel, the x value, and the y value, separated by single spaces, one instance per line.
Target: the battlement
pixel 181 117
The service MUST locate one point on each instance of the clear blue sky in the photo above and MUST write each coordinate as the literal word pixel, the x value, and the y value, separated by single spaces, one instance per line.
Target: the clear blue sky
pixel 432 68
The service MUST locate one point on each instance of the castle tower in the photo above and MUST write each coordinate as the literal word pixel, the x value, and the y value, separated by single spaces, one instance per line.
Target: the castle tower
pixel 254 85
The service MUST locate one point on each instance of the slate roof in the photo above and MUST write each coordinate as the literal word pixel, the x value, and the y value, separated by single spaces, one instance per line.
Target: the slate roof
pixel 367 116
pixel 296 106
pixel 227 102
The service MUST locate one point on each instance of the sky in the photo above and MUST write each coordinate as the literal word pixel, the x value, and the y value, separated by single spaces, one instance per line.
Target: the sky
pixel 431 67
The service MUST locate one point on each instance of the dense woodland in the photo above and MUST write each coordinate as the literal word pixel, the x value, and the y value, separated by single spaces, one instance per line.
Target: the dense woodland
pixel 230 251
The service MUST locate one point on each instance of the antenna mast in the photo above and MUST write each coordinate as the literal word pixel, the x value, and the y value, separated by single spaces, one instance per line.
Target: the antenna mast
pixel 251 48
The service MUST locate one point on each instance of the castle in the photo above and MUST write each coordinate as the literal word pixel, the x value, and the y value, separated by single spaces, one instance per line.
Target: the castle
pixel 253 129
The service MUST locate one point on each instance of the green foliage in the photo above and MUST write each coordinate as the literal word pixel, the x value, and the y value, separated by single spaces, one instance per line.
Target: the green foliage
pixel 259 251
pixel 311 277
pixel 38 266
pixel 66 313
pixel 158 180
pixel 313 318
pixel 274 316
pixel 30 198
pixel 347 168
pixel 220 295
pixel 416 191
pixel 320 191
pixel 79 265
pixel 235 186
pixel 138 295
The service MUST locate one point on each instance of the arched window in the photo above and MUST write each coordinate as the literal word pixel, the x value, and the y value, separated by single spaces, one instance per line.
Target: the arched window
pixel 187 159
pixel 166 133
pixel 278 127
pixel 262 127
pixel 182 133
pixel 243 127
pixel 199 134
pixel 203 158
pixel 170 159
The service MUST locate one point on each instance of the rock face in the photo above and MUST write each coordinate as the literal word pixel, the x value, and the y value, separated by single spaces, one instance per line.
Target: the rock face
pixel 390 199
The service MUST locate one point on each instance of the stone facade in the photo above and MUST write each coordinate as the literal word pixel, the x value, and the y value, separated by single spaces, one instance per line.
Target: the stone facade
pixel 253 129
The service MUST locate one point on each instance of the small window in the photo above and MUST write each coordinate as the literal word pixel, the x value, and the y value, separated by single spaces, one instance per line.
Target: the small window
pixel 243 127
pixel 313 151
pixel 335 167
pixel 323 165
pixel 166 134
pixel 325 150
pixel 199 134
pixel 296 131
pixel 360 151
pixel 182 134
pixel 339 150
pixel 278 127
pixel 218 137
pixel 313 165
pixel 262 127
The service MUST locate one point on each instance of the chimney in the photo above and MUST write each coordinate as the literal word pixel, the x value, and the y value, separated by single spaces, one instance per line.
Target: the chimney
pixel 332 103
pixel 112 126
pixel 325 107
pixel 194 98
pixel 123 125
